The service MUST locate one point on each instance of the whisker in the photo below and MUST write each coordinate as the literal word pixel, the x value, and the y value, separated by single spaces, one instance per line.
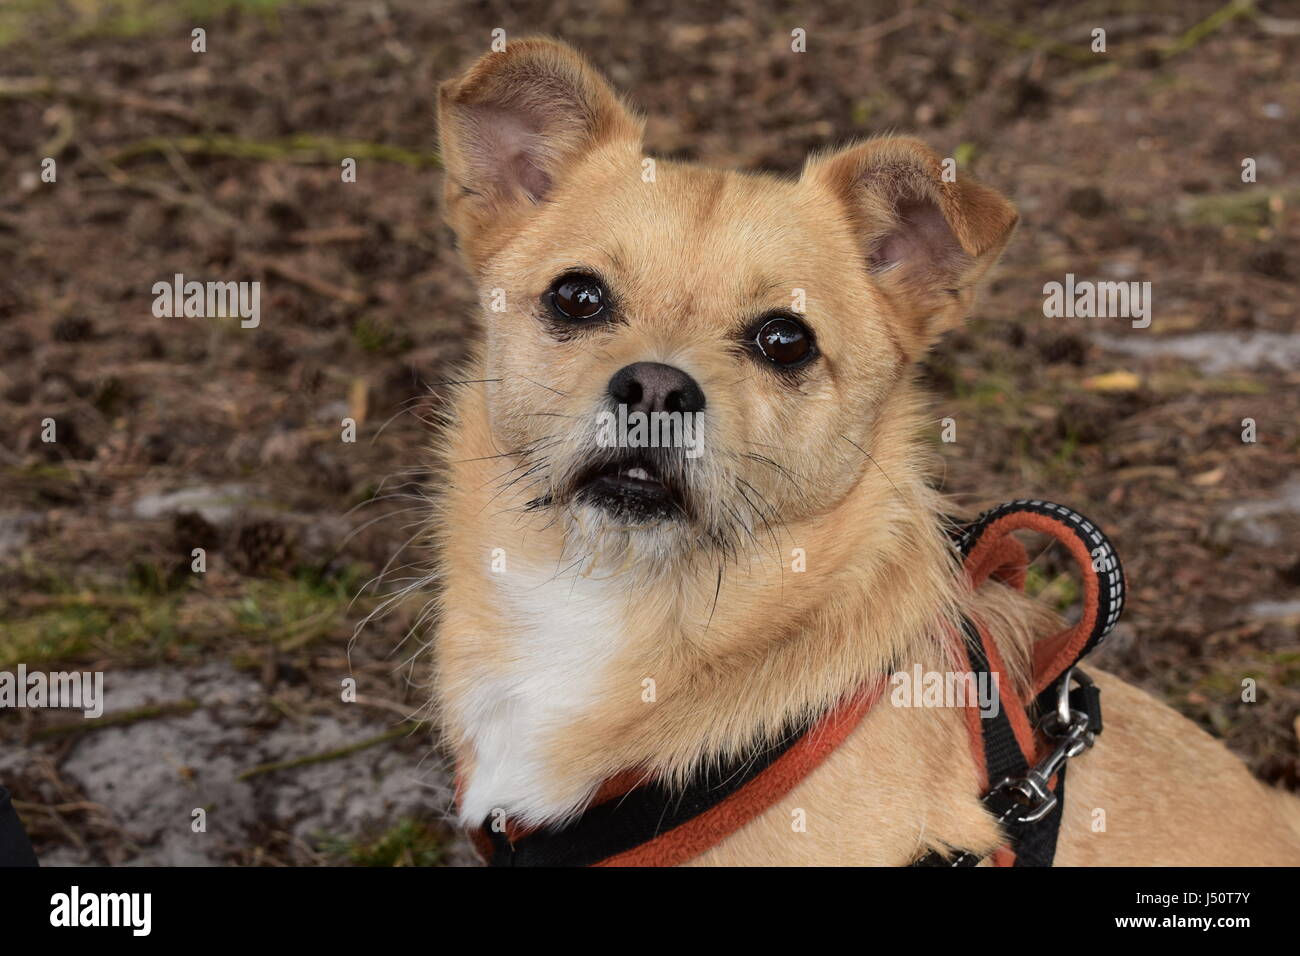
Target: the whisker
pixel 773 513
pixel 540 385
pixel 390 514
pixel 389 497
pixel 764 460
pixel 380 576
pixel 716 591
pixel 874 462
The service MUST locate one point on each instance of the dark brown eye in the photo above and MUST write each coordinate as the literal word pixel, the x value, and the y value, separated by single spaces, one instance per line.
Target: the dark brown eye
pixel 784 342
pixel 578 296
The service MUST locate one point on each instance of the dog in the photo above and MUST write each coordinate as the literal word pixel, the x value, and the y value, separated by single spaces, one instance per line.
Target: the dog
pixel 610 610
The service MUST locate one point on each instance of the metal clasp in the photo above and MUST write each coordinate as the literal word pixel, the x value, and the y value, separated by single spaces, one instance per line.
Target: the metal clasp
pixel 1071 729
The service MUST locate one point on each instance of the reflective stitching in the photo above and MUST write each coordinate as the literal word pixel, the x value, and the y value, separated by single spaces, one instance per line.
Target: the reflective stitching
pixel 1110 597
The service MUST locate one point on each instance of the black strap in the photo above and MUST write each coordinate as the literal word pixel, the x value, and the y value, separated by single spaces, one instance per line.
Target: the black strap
pixel 1034 842
pixel 1003 759
pixel 1002 754
pixel 15 849
pixel 624 823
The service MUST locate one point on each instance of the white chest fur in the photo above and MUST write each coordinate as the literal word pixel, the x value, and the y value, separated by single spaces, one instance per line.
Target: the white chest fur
pixel 563 630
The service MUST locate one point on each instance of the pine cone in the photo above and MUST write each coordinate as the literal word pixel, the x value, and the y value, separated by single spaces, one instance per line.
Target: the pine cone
pixel 263 547
pixel 191 530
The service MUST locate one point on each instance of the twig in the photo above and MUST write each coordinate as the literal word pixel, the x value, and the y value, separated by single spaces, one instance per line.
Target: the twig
pixel 328 234
pixel 21 87
pixel 298 149
pixel 66 126
pixel 79 599
pixel 378 703
pixel 310 282
pixel 328 755
pixel 170 709
pixel 1211 24
pixel 26 806
pixel 1023 39
pixel 878 30
pixel 303 632
pixel 168 194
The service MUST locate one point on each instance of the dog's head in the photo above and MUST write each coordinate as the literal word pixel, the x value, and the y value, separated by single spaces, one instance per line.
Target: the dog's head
pixel 680 354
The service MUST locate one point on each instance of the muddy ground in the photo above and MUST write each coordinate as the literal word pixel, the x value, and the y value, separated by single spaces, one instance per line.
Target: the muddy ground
pixel 225 688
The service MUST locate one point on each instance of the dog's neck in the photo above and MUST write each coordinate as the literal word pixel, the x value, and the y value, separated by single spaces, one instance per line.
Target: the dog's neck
pixel 555 673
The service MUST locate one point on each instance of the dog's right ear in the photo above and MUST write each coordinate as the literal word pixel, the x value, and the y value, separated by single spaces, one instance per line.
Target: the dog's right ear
pixel 510 129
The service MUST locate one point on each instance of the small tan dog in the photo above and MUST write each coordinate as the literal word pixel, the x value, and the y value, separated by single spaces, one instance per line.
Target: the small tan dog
pixel 611 610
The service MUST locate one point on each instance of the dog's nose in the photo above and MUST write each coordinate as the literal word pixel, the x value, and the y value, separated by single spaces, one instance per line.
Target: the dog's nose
pixel 655 387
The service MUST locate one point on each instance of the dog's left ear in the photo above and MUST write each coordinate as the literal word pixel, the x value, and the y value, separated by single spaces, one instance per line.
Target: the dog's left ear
pixel 926 241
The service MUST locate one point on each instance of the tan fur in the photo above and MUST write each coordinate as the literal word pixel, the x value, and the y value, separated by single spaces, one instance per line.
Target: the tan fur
pixel 737 644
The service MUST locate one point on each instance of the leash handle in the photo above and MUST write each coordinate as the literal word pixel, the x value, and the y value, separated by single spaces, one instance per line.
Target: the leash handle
pixel 989 550
pixel 1023 783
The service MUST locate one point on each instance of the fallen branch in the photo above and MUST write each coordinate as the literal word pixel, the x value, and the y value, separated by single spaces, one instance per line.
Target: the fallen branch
pixel 23 87
pixel 1211 24
pixel 1081 53
pixel 328 234
pixel 298 149
pixel 329 755
pixel 26 806
pixel 171 709
pixel 1023 39
pixel 310 282
pixel 195 201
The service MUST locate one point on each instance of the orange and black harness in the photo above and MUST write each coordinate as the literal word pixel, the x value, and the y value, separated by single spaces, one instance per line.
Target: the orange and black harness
pixel 634 822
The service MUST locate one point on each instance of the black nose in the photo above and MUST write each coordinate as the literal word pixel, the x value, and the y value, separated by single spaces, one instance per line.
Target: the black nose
pixel 655 387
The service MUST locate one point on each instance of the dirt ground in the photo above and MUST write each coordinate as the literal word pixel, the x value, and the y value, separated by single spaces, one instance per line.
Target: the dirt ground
pixel 224 688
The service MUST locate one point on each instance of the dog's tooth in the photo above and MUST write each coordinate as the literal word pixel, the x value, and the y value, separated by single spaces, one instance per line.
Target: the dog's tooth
pixel 640 474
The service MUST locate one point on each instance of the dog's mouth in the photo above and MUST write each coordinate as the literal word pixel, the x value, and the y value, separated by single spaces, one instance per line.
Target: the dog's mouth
pixel 632 486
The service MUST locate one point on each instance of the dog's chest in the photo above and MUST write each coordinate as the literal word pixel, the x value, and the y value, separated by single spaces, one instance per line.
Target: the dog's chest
pixel 561 632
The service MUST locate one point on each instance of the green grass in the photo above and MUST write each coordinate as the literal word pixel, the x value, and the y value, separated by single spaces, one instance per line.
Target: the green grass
pixel 1192 382
pixel 25 20
pixel 1214 697
pixel 376 335
pixel 408 843
pixel 1269 670
pixel 85 626
pixel 39 485
pixel 993 390
pixel 1247 206
pixel 1060 592
pixel 150 619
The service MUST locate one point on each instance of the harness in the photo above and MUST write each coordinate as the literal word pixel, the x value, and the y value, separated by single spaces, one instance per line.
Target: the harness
pixel 634 821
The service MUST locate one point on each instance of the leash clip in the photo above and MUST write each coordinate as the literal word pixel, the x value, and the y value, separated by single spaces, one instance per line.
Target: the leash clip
pixel 1031 797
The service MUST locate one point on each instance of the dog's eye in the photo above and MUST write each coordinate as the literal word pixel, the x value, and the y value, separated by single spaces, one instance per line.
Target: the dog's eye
pixel 784 341
pixel 577 296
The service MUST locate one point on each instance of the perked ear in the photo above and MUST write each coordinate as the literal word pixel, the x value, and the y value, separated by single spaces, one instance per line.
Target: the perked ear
pixel 511 128
pixel 926 241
